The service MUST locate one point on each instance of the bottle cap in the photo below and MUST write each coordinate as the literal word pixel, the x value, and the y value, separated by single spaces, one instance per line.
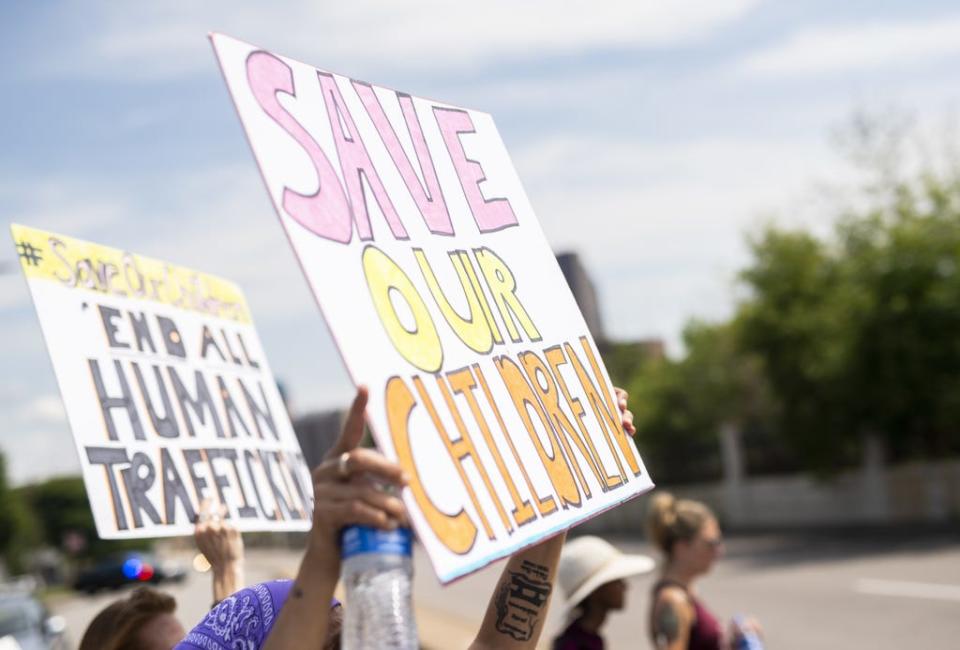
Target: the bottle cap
pixel 356 540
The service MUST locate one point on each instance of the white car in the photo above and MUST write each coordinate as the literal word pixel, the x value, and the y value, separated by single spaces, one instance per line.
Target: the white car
pixel 25 624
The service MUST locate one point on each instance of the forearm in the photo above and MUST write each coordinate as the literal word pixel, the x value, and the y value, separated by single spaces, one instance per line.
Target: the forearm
pixel 227 580
pixel 303 620
pixel 518 607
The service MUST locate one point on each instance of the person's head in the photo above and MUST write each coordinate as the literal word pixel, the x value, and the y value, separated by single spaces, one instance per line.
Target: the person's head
pixel 608 597
pixel 686 531
pixel 143 620
pixel 592 573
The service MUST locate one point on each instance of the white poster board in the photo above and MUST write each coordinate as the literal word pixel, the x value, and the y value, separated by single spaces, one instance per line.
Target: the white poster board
pixel 442 293
pixel 167 390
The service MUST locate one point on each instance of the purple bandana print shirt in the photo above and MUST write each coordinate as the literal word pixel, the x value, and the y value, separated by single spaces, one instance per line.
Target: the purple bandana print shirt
pixel 241 621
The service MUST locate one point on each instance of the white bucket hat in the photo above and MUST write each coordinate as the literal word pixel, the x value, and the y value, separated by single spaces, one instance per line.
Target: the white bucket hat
pixel 588 562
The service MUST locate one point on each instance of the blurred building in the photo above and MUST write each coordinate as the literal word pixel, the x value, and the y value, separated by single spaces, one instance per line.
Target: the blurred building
pixel 317 432
pixel 583 291
pixel 587 299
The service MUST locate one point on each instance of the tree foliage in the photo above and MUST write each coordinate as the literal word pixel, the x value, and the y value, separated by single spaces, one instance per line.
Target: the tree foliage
pixel 46 514
pixel 840 336
pixel 858 330
pixel 62 509
pixel 800 321
pixel 679 405
pixel 19 529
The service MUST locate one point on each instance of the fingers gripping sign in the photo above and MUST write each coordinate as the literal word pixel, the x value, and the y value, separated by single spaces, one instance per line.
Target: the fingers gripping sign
pixel 216 538
pixel 626 415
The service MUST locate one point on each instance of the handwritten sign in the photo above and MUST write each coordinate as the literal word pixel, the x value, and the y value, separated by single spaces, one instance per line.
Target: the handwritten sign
pixel 167 390
pixel 445 299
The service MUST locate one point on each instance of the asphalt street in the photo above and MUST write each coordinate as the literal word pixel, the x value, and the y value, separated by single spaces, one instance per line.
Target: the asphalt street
pixel 855 590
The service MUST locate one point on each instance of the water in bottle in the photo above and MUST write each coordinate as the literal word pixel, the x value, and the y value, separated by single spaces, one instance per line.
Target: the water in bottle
pixel 378 578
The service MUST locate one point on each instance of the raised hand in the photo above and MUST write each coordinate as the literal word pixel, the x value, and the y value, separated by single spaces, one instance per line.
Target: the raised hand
pixel 354 485
pixel 222 545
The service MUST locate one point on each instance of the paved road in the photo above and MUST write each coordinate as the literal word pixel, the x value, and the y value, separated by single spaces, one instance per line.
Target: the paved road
pixel 868 591
pixel 851 592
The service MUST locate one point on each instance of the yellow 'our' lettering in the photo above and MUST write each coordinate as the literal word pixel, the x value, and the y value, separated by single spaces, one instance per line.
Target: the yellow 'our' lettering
pixel 420 345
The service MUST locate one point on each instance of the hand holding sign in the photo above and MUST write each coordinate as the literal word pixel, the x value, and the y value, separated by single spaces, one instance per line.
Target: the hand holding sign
pixel 348 485
pixel 626 415
pixel 222 546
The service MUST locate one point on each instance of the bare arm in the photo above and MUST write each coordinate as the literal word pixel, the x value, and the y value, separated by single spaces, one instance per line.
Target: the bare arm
pixel 303 619
pixel 672 620
pixel 339 501
pixel 518 606
pixel 222 545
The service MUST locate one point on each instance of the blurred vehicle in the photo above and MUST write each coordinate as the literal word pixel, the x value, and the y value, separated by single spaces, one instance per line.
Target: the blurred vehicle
pixel 24 619
pixel 126 569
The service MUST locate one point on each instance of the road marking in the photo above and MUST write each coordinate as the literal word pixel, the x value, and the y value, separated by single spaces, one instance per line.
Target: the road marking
pixel 907 589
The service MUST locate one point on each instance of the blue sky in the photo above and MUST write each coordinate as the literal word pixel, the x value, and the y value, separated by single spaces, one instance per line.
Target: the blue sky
pixel 649 139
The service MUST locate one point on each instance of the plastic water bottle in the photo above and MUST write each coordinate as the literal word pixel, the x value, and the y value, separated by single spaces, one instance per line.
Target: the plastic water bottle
pixel 746 638
pixel 378 577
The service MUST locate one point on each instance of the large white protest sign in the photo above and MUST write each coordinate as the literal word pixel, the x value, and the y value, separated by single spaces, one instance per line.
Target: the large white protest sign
pixel 167 390
pixel 445 299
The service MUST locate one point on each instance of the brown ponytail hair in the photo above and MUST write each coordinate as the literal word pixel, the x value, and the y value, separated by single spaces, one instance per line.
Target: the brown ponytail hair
pixel 670 520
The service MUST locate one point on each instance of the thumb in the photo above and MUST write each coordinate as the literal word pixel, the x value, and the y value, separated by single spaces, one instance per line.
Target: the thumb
pixel 352 431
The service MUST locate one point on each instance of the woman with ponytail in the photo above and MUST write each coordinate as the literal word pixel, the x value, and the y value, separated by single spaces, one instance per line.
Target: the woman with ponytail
pixel 688 534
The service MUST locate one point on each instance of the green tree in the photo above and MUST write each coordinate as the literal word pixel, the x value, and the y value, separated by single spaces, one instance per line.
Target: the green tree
pixel 680 406
pixel 19 530
pixel 904 259
pixel 62 507
pixel 858 330
pixel 800 320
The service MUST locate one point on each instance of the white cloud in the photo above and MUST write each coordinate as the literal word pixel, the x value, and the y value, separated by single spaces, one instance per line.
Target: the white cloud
pixel 857 47
pixel 67 204
pixel 13 289
pixel 670 184
pixel 44 409
pixel 140 41
pixel 29 457
pixel 217 219
pixel 62 203
pixel 661 227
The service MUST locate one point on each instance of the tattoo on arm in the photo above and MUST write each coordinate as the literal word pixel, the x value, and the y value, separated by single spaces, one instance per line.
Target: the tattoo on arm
pixel 666 626
pixel 520 600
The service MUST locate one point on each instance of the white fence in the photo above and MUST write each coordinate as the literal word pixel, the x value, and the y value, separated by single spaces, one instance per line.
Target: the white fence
pixel 922 493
